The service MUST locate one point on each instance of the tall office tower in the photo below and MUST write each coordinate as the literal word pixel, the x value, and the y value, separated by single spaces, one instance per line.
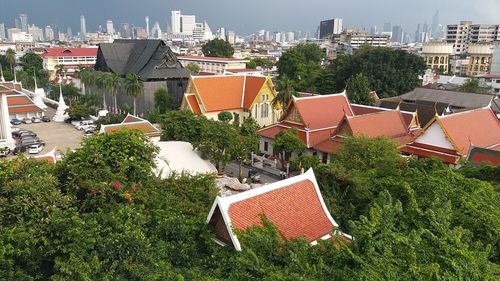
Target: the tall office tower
pixel 69 33
pixel 374 30
pixel 109 27
pixel 188 22
pixel 417 34
pixel 147 26
pixel 2 31
pixel 397 34
pixel 49 33
pixel 435 31
pixel 231 37
pixel 328 28
pixel 125 30
pixel 23 21
pixel 156 31
pixel 290 37
pixel 175 22
pixel 387 27
pixel 425 28
pixel 17 23
pixel 83 27
pixel 36 32
pixel 132 32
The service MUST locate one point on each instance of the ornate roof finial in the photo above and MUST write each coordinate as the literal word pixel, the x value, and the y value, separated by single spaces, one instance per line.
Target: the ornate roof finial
pixel 34 75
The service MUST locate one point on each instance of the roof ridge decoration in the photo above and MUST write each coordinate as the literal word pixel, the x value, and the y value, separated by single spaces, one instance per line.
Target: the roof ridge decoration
pixel 168 60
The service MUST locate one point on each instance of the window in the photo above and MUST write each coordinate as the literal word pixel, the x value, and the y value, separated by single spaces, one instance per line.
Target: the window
pixel 264 110
pixel 266 146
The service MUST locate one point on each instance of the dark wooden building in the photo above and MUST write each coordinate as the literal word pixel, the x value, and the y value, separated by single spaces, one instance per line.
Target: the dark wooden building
pixel 152 61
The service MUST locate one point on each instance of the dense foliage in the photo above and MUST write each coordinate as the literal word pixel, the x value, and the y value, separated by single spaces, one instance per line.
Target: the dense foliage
pixel 100 214
pixel 218 48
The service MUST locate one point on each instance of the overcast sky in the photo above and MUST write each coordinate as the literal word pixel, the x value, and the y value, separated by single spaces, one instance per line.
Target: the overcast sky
pixel 247 16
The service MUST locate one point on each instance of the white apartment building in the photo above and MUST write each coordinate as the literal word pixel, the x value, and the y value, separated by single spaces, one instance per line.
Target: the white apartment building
pixel 465 33
pixel 213 65
pixel 356 38
pixel 188 23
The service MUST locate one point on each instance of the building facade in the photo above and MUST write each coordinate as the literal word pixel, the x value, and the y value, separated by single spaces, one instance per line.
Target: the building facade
pixel 436 55
pixel 481 56
pixel 328 28
pixel 71 58
pixel 465 33
pixel 213 65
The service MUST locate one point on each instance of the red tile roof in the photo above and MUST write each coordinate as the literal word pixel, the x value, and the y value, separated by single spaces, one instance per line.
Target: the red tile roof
pixel 201 58
pixel 132 122
pixel 385 123
pixel 484 156
pixel 70 52
pixel 480 127
pixel 294 206
pixel 193 104
pixel 227 92
pixel 359 109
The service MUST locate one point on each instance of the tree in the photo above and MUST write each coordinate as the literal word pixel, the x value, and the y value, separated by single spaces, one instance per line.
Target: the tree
pixel 302 64
pixel 133 87
pixel 391 72
pixel 61 70
pixel 225 116
pixel 11 58
pixel 163 101
pixel 87 79
pixel 78 111
pixel 218 48
pixel 181 125
pixel 259 62
pixel 304 161
pixel 193 68
pixel 472 85
pixel 217 143
pixel 285 93
pixel 358 90
pixel 112 82
pixel 286 143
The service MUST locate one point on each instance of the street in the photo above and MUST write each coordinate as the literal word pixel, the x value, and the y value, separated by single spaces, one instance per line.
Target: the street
pixel 232 169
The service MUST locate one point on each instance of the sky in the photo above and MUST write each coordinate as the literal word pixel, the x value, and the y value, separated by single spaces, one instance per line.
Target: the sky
pixel 248 16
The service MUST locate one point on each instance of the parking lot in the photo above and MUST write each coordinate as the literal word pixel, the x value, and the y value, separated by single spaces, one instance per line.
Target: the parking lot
pixel 63 136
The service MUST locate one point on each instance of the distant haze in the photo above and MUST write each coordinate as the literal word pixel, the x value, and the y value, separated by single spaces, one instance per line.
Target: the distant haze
pixel 246 17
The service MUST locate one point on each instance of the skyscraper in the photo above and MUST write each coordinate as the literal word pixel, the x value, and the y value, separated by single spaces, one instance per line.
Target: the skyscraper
pixel 327 28
pixel 417 34
pixel 2 31
pixel 23 22
pixel 109 27
pixel 188 23
pixel 176 22
pixel 125 30
pixel 387 27
pixel 69 33
pixel 147 26
pixel 435 31
pixel 397 34
pixel 49 33
pixel 83 27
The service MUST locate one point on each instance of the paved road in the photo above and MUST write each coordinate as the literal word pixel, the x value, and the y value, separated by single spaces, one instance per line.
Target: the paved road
pixel 233 168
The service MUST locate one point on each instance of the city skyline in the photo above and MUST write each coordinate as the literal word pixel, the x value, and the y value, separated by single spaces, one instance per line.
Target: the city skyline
pixel 253 18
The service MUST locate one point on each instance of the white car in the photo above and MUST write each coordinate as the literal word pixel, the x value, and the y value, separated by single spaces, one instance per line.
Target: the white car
pixel 35 149
pixel 84 123
pixel 89 129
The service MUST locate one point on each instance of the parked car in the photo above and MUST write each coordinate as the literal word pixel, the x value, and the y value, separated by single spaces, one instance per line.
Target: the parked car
pixel 17 134
pixel 14 129
pixel 15 121
pixel 27 134
pixel 35 149
pixel 84 123
pixel 4 151
pixel 26 120
pixel 19 149
pixel 89 129
pixel 35 119
pixel 29 142
pixel 45 119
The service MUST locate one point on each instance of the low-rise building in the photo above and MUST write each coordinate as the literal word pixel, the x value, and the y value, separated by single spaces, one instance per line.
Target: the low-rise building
pixel 295 206
pixel 436 55
pixel 244 96
pixel 71 58
pixel 213 65
pixel 481 57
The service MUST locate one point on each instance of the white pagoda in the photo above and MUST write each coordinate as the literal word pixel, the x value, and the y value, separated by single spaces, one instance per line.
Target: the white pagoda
pixel 61 114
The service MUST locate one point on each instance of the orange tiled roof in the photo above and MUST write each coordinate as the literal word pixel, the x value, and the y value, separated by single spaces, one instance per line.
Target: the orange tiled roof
pixel 132 122
pixel 295 206
pixel 322 111
pixel 384 123
pixel 193 104
pixel 480 127
pixel 227 92
pixel 24 109
pixel 131 119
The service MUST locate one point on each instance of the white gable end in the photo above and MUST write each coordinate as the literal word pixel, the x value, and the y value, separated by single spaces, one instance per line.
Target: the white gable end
pixel 435 136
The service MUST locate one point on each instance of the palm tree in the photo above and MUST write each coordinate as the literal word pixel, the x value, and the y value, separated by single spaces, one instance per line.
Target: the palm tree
pixel 61 70
pixel 100 80
pixel 285 92
pixel 10 56
pixel 86 78
pixel 112 85
pixel 133 87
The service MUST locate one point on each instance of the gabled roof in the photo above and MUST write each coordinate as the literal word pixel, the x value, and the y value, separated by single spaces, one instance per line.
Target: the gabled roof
pixel 20 103
pixel 148 59
pixel 295 206
pixel 319 112
pixel 132 122
pixel 227 92
pixel 485 156
pixel 410 117
pixel 69 52
pixel 385 123
pixel 455 99
pixel 49 157
pixel 193 104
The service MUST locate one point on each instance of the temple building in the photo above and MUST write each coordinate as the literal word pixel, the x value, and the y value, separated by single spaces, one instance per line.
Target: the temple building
pixel 152 61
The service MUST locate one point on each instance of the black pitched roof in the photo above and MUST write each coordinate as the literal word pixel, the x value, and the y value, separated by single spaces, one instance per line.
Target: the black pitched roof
pixel 148 59
pixel 454 99
pixel 426 110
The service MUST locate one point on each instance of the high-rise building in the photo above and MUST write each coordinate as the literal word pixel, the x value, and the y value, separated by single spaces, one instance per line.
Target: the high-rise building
pixel 11 32
pixel 188 23
pixel 397 34
pixel 175 23
pixel 435 31
pixel 37 33
pixel 156 31
pixel 373 30
pixel 83 27
pixel 133 35
pixel 23 22
pixel 109 27
pixel 125 30
pixel 290 37
pixel 147 26
pixel 417 34
pixel 2 31
pixel 69 33
pixel 387 27
pixel 49 33
pixel 231 37
pixel 465 33
pixel 328 28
